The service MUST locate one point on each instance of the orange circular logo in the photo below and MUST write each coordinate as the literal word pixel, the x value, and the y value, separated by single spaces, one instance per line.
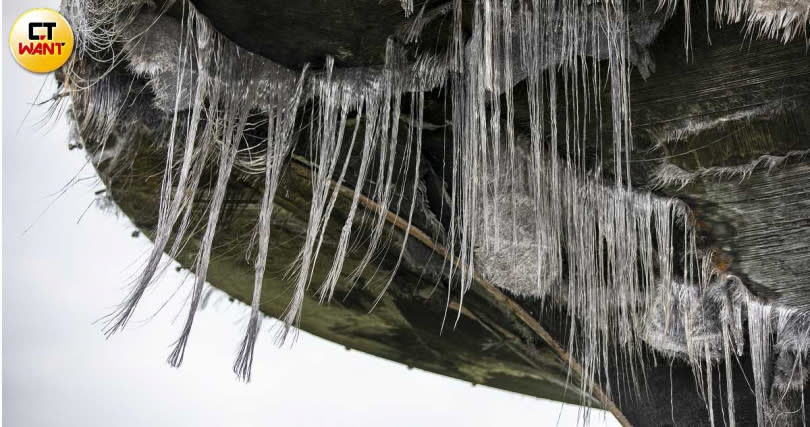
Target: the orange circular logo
pixel 41 40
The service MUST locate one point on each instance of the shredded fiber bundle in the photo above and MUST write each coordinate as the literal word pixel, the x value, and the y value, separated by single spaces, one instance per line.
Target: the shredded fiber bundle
pixel 546 209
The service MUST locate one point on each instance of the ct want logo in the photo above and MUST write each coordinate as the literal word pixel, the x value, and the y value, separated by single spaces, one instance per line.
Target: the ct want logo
pixel 41 40
pixel 32 27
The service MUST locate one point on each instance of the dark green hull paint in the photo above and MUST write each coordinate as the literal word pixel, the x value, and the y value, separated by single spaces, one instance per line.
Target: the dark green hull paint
pixel 489 347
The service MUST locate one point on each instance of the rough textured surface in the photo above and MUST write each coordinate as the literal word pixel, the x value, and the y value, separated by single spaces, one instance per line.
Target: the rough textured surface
pixel 526 140
pixel 487 347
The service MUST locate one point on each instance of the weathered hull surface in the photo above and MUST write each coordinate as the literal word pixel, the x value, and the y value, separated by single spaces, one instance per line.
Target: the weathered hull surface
pixel 644 251
pixel 488 345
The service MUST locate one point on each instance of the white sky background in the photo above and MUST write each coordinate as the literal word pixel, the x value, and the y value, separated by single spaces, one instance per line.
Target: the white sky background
pixel 71 267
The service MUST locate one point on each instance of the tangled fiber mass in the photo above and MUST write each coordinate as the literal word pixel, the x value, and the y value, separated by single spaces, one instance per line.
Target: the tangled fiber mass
pixel 551 214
